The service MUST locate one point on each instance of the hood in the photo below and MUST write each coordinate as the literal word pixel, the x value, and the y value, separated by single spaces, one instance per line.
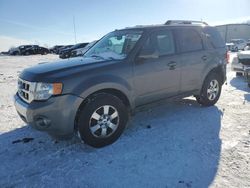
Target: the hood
pixel 53 71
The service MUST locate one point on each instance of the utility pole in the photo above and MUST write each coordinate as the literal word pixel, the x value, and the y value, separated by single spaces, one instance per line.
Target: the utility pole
pixel 74 27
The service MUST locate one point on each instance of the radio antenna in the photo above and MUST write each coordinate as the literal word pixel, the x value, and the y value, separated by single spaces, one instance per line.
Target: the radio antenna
pixel 74 27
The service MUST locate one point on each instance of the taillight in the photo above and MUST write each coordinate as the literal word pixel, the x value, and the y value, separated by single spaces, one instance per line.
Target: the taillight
pixel 227 57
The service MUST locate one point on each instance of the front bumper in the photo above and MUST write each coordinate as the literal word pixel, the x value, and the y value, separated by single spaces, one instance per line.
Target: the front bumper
pixel 55 116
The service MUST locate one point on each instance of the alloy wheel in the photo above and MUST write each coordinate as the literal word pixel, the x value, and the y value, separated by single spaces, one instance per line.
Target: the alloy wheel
pixel 213 90
pixel 104 121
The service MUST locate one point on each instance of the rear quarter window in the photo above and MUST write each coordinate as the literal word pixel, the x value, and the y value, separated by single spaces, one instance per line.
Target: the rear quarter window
pixel 214 37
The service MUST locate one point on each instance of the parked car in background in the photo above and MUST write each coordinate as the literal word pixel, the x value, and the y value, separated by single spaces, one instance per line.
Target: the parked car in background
pixel 93 96
pixel 20 50
pixel 248 45
pixel 4 53
pixel 55 49
pixel 66 53
pixel 244 58
pixel 64 48
pixel 14 51
pixel 80 51
pixel 247 73
pixel 230 46
pixel 240 44
pixel 28 50
pixel 35 49
pixel 241 63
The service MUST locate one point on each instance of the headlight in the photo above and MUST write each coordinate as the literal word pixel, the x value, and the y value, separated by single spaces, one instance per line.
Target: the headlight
pixel 44 91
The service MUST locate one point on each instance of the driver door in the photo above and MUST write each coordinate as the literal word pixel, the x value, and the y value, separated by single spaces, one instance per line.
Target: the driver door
pixel 157 68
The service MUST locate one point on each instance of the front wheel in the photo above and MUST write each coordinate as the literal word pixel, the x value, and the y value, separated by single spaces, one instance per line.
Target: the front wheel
pixel 102 120
pixel 211 90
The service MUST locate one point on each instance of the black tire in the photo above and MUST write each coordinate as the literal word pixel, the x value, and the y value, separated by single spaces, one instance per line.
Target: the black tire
pixel 239 74
pixel 85 119
pixel 205 98
pixel 16 53
pixel 248 85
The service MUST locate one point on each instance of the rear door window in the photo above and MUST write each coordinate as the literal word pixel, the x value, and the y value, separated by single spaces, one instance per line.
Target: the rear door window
pixel 189 40
pixel 159 42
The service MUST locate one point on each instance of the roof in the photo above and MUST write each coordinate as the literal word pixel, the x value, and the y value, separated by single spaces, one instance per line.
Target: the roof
pixel 149 27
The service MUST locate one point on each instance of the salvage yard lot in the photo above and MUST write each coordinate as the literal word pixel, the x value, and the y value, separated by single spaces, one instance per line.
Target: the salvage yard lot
pixel 174 144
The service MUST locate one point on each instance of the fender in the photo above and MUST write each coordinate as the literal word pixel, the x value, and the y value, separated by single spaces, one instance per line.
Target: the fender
pixel 217 67
pixel 97 83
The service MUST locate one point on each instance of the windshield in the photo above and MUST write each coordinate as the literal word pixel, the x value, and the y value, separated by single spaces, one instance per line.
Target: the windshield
pixel 115 45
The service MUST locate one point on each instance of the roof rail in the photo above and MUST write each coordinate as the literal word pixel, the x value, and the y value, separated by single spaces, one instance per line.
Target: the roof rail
pixel 170 22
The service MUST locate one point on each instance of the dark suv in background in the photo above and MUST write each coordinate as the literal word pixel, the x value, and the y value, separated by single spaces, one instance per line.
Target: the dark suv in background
pixel 94 95
pixel 28 50
pixel 20 50
pixel 66 53
pixel 35 49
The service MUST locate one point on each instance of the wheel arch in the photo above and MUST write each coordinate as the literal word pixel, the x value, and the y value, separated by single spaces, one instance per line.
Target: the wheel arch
pixel 217 70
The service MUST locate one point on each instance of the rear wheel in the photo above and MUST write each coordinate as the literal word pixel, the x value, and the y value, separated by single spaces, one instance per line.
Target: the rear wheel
pixel 102 120
pixel 248 84
pixel 211 90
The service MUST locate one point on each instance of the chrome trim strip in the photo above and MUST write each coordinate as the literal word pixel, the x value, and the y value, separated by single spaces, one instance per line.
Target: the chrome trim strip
pixel 30 92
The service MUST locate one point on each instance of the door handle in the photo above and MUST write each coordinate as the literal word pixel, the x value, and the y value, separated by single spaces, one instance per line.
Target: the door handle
pixel 204 58
pixel 172 65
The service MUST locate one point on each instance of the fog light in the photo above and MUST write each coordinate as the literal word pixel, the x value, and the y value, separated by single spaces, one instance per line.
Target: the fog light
pixel 42 122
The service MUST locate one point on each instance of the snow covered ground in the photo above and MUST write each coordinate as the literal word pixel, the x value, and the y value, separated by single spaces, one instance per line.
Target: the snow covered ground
pixel 175 144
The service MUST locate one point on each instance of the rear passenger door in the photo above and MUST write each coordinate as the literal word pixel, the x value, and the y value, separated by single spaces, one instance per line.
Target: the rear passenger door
pixel 156 69
pixel 193 57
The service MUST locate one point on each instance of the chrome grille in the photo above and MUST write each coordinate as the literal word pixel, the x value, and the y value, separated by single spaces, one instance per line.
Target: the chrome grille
pixel 26 90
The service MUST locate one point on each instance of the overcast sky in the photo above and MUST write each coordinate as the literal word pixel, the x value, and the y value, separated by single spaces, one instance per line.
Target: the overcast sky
pixel 50 22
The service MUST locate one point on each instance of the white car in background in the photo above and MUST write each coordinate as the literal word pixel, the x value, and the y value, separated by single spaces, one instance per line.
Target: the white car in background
pixel 241 63
pixel 248 45
pixel 230 46
pixel 239 44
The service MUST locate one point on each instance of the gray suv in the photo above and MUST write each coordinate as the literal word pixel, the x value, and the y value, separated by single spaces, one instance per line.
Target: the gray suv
pixel 94 95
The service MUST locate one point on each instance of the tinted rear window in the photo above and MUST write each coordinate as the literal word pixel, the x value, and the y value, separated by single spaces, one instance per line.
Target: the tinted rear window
pixel 189 40
pixel 214 37
pixel 160 42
